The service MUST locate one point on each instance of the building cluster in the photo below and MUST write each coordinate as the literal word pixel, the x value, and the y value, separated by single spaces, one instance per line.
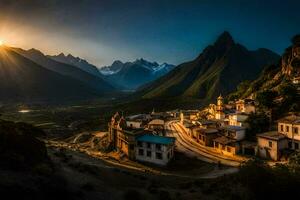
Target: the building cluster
pixel 142 137
pixel 220 126
pixel 224 128
pixel 225 131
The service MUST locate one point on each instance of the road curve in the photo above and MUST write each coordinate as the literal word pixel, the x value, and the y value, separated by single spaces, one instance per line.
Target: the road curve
pixel 185 144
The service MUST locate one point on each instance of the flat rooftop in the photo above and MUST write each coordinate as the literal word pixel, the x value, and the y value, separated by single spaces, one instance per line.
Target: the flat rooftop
pixel 233 128
pixel 156 139
pixel 292 119
pixel 208 130
pixel 224 140
pixel 272 135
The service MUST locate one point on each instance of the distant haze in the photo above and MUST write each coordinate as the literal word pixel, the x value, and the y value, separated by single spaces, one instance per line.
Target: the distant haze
pixel 172 31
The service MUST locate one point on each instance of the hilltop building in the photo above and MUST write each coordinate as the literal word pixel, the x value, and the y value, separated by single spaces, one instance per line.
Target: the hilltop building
pixel 246 106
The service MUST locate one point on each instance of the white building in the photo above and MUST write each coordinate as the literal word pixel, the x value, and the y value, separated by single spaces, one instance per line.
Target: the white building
pixel 237 119
pixel 155 149
pixel 235 132
pixel 272 144
pixel 290 127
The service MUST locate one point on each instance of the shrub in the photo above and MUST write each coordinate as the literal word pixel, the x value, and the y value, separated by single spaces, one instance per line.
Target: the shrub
pixel 132 194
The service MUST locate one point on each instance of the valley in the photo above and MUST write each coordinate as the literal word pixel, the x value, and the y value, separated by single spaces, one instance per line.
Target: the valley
pixel 156 100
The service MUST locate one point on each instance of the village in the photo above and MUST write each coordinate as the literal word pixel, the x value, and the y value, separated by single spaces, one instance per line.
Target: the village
pixel 217 133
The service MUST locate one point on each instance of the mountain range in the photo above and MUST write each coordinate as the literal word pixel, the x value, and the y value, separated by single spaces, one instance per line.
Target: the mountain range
pixel 93 81
pixel 131 75
pixel 217 70
pixel 22 80
pixel 31 75
pixel 78 62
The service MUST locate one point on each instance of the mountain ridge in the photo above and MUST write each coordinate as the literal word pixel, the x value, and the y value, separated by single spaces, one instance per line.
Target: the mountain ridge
pixel 218 69
pixel 132 75
pixel 90 80
pixel 77 62
pixel 22 80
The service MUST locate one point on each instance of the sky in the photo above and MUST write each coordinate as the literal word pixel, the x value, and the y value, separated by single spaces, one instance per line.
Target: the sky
pixel 172 31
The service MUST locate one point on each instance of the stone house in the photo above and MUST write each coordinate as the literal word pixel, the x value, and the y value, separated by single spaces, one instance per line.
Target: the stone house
pixel 270 145
pixel 205 136
pixel 229 141
pixel 226 145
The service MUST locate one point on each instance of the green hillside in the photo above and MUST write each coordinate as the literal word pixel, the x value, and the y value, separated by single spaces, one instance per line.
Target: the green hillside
pixel 218 69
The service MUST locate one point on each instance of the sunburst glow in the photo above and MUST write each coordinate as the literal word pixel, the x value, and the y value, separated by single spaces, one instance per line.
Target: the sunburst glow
pixel 1 42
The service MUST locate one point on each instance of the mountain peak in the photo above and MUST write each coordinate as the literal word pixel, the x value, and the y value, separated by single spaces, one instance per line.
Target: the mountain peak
pixel 61 55
pixel 33 50
pixel 225 39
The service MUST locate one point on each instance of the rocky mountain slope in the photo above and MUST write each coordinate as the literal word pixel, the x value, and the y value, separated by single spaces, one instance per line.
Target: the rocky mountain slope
pixel 277 87
pixel 218 69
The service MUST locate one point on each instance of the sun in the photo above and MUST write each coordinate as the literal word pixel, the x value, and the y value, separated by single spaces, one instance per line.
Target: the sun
pixel 1 42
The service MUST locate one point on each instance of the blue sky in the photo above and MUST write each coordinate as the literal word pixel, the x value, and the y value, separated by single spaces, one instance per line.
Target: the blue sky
pixel 170 31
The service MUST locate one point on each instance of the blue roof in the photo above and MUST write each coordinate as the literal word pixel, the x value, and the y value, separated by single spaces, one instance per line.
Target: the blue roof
pixel 156 139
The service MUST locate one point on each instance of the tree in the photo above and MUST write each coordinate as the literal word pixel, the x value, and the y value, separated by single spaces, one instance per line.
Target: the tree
pixel 258 123
pixel 287 90
pixel 266 98
pixel 266 101
pixel 294 162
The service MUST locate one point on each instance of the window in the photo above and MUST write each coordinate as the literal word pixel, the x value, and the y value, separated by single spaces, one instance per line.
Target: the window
pixel 296 130
pixel 281 127
pixel 290 145
pixel 158 147
pixel 148 145
pixel 287 128
pixel 296 146
pixel 149 154
pixel 158 156
pixel 141 152
pixel 223 147
pixel 131 146
pixel 270 144
pixel 228 149
pixel 140 144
